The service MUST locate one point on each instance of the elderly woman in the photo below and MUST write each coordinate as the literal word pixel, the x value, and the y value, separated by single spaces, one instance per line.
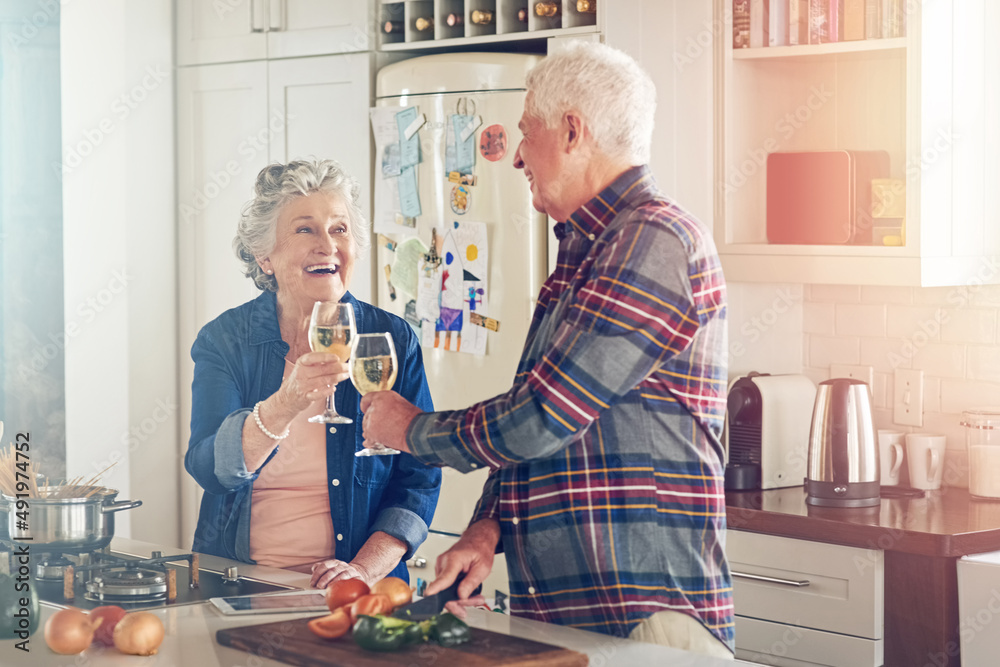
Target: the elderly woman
pixel 279 490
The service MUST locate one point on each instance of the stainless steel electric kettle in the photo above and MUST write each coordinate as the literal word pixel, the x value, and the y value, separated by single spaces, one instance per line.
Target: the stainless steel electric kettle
pixel 843 465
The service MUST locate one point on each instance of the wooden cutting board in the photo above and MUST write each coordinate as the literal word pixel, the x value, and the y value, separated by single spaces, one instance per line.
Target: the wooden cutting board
pixel 292 642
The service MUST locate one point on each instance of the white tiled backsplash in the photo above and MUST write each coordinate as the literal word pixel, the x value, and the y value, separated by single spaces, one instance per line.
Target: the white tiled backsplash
pixel 951 333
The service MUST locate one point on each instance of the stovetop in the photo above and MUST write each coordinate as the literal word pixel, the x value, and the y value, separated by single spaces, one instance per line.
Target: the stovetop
pixel 132 582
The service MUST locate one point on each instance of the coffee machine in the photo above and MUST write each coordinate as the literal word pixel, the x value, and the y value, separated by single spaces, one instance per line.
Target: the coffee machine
pixel 767 425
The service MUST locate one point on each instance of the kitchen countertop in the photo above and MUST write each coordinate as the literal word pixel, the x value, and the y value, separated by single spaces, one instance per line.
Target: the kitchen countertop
pixel 190 639
pixel 945 523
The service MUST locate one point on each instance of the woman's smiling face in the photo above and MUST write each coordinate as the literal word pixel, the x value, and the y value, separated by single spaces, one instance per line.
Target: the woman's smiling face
pixel 314 251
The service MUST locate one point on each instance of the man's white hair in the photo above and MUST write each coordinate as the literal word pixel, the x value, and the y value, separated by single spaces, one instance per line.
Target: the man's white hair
pixel 615 97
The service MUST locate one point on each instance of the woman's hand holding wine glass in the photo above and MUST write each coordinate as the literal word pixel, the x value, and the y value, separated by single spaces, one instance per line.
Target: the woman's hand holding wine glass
pixel 332 330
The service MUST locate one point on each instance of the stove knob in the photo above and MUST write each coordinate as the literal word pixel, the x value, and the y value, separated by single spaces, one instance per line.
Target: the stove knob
pixel 231 576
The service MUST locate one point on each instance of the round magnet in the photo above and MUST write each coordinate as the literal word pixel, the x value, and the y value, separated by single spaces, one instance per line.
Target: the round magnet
pixel 460 199
pixel 493 143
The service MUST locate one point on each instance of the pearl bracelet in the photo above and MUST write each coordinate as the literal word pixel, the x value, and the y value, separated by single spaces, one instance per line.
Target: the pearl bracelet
pixel 263 429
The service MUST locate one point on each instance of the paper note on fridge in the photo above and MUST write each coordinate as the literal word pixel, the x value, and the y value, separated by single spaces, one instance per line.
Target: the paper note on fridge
pixel 409 139
pixel 409 198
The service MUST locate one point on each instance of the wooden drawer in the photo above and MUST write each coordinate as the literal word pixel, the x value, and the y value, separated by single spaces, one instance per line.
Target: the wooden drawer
pixel 807 584
pixel 770 643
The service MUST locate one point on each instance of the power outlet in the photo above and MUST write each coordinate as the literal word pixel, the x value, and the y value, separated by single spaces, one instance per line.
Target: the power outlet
pixel 908 397
pixel 863 373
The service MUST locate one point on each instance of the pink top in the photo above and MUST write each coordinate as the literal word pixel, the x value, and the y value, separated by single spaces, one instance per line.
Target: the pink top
pixel 290 522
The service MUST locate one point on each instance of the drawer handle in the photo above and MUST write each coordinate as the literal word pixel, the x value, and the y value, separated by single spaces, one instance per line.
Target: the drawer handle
pixel 772 580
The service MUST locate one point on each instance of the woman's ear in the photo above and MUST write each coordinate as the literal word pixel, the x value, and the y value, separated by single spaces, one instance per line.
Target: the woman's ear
pixel 265 265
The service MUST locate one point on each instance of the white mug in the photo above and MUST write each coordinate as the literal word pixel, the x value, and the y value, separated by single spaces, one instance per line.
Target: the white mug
pixel 925 454
pixel 890 447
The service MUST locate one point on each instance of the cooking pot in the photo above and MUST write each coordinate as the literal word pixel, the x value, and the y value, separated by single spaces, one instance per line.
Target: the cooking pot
pixel 69 525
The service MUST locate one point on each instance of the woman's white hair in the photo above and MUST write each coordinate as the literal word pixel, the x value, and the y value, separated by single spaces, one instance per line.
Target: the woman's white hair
pixel 277 185
pixel 615 97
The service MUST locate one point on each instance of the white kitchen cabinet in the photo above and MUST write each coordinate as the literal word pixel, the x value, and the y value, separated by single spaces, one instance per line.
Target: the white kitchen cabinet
pixel 421 565
pixel 232 120
pixel 236 30
pixel 928 99
pixel 221 31
pixel 802 603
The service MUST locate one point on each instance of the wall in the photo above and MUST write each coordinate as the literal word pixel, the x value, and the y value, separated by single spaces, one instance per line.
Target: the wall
pixel 950 333
pixel 119 255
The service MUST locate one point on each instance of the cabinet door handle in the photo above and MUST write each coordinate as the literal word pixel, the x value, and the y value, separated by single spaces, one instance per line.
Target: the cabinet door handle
pixel 772 580
pixel 276 9
pixel 255 14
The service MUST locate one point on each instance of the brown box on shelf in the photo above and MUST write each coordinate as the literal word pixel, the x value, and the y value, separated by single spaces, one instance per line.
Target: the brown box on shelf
pixel 822 197
pixel 854 20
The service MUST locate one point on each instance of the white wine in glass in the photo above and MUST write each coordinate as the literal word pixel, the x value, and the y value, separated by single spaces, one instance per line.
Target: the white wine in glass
pixel 331 329
pixel 373 368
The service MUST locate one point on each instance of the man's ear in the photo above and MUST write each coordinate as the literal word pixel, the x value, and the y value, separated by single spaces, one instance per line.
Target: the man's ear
pixel 575 128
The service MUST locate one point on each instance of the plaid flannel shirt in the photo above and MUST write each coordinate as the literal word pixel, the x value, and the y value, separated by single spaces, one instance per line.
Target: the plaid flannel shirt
pixel 606 453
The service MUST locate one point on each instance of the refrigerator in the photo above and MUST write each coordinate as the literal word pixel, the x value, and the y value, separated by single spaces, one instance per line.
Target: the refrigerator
pixel 458 97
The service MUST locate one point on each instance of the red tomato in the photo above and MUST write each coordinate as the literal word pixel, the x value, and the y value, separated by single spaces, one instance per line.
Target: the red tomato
pixel 344 592
pixel 330 627
pixel 370 605
pixel 398 590
pixel 111 615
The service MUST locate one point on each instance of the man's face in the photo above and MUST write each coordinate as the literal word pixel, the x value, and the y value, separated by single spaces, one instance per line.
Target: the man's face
pixel 541 154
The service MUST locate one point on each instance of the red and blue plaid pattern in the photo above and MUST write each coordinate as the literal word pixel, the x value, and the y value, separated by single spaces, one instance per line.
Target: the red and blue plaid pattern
pixel 606 453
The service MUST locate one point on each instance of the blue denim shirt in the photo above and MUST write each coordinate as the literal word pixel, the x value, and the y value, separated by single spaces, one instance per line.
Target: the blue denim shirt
pixel 239 359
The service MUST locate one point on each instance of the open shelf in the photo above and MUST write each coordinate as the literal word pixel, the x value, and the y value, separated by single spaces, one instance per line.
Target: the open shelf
pixel 811 50
pixel 499 21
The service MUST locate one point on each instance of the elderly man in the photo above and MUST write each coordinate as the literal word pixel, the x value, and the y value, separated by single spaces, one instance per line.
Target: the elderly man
pixel 606 487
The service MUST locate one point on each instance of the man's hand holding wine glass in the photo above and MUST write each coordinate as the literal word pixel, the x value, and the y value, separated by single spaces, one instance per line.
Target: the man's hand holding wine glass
pixel 387 417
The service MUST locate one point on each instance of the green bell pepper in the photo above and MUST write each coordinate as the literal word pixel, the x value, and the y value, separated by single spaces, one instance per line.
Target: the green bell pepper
pixel 385 633
pixel 449 630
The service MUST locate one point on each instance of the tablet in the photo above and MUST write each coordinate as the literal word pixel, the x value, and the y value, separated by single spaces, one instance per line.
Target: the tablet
pixel 297 601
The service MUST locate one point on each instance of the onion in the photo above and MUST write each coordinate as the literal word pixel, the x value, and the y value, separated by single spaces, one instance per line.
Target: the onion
pixel 139 633
pixel 70 631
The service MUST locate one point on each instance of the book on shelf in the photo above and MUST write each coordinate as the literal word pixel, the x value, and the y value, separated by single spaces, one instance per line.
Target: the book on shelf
pixel 798 24
pixel 892 18
pixel 741 24
pixel 758 23
pixel 834 21
pixel 818 21
pixel 853 20
pixel 873 19
pixel 777 26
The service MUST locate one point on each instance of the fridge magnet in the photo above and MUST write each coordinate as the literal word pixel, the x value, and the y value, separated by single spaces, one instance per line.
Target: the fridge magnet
pixel 409 198
pixel 493 143
pixel 460 149
pixel 410 315
pixel 386 189
pixel 461 179
pixel 404 266
pixel 464 290
pixel 409 140
pixel 460 199
pixel 428 292
pixel 388 282
pixel 390 160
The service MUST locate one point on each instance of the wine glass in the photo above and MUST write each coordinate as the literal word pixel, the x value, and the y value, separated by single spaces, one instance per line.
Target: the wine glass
pixel 373 368
pixel 331 329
